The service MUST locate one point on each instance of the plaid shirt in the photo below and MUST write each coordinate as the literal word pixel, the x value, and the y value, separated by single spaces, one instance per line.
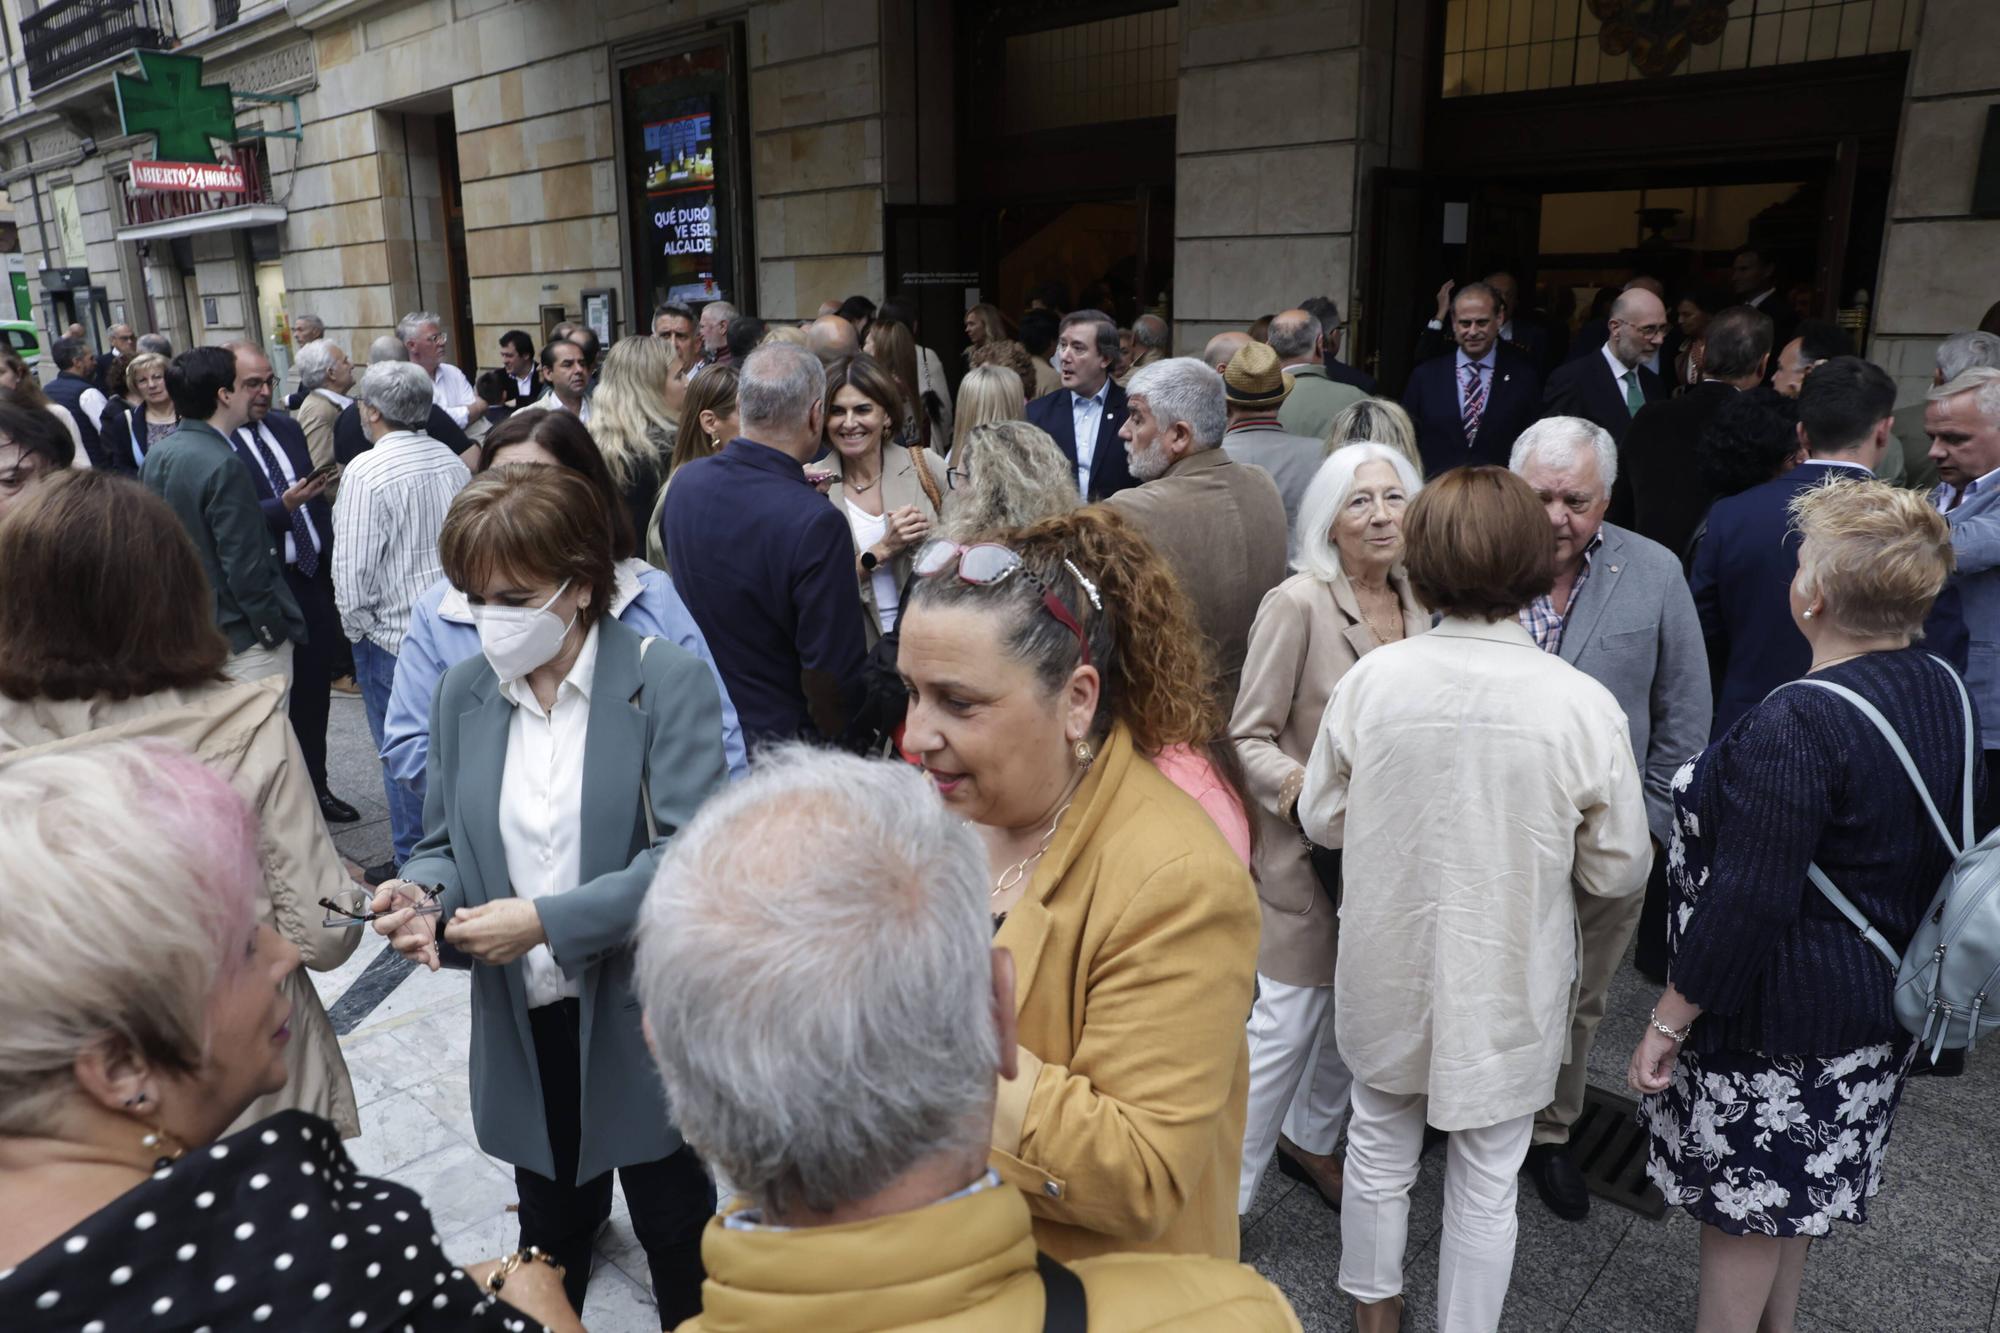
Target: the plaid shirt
pixel 1539 617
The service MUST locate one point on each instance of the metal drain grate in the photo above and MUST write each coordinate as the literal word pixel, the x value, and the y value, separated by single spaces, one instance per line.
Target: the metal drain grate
pixel 1608 1145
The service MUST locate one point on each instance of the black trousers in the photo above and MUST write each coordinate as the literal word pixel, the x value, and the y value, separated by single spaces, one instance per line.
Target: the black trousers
pixel 671 1200
pixel 312 664
pixel 1649 944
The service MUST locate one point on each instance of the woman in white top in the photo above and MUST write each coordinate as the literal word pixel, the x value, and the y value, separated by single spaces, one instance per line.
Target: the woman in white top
pixel 1475 785
pixel 888 494
pixel 562 759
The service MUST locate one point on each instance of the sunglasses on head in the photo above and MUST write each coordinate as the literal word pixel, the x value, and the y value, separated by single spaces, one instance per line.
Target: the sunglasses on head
pixel 984 564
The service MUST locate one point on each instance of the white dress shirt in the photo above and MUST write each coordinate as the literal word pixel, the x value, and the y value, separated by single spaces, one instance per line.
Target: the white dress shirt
pixel 1619 370
pixel 270 442
pixel 1087 413
pixel 386 522
pixel 451 391
pixel 541 805
pixel 548 402
pixel 339 400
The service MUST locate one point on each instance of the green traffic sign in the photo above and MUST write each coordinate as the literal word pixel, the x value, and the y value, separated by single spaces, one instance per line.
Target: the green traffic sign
pixel 170 103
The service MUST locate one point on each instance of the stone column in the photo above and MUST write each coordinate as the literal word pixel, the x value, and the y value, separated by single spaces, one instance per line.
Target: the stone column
pixel 1276 127
pixel 1938 272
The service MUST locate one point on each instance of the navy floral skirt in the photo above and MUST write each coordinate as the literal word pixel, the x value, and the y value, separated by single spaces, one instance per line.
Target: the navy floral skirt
pixel 1766 1145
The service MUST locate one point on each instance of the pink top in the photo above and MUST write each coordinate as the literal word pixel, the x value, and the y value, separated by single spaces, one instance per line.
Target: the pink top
pixel 1190 770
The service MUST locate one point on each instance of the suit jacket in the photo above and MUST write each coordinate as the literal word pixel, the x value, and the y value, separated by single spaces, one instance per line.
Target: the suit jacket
pixel 1585 388
pixel 198 474
pixel 122 425
pixel 277 520
pixel 1975 540
pixel 317 416
pixel 1635 632
pixel 350 441
pixel 1659 493
pixel 1315 400
pixel 1913 443
pixel 1433 400
pixel 899 486
pixel 1307 634
pixel 1134 946
pixel 1784 324
pixel 1109 473
pixel 1341 373
pixel 653 739
pixel 1292 460
pixel 1221 526
pixel 1742 578
pixel 962 1265
pixel 766 567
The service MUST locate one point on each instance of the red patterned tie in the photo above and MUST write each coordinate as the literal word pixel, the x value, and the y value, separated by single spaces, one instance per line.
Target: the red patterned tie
pixel 1475 401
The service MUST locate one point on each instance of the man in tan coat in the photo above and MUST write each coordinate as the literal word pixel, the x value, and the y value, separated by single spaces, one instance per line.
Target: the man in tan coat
pixel 1219 523
pixel 859 1138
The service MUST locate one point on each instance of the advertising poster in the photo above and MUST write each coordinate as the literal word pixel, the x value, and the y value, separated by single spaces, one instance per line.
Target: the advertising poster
pixel 680 195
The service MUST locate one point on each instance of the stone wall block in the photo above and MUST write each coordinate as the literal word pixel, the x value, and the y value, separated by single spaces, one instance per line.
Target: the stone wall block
pixel 1242 106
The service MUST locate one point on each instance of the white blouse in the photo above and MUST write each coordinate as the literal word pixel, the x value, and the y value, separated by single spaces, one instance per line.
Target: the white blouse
pixel 868 529
pixel 541 805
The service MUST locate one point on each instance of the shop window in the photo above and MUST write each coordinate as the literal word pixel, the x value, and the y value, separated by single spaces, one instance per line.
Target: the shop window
pixel 1511 46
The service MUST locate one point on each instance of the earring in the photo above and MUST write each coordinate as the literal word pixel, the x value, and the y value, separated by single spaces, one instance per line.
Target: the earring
pixel 137 1100
pixel 169 1148
pixel 1805 615
pixel 1083 754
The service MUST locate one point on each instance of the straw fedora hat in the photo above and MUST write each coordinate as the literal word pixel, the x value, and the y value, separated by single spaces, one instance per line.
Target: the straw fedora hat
pixel 1253 377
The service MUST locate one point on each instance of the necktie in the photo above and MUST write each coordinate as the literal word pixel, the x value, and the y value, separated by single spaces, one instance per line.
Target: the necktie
pixel 308 554
pixel 1633 398
pixel 1475 401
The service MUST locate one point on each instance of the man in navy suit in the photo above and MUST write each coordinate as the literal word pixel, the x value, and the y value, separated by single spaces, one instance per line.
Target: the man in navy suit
pixel 1744 567
pixel 297 514
pixel 1609 387
pixel 1090 407
pixel 1469 406
pixel 1522 334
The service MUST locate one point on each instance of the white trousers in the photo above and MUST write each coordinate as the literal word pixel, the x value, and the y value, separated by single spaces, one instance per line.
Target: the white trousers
pixel 1385 1138
pixel 1296 1076
pixel 256 663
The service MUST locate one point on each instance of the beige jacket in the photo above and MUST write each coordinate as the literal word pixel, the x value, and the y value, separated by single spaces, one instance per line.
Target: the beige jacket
pixel 1476 785
pixel 1307 634
pixel 1221 525
pixel 242 732
pixel 899 486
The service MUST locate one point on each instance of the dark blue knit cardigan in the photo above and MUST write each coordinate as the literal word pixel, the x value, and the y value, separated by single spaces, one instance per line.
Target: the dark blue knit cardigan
pixel 1804 777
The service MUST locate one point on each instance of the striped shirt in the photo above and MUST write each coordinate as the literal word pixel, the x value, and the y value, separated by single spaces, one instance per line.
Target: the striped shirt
pixel 386 522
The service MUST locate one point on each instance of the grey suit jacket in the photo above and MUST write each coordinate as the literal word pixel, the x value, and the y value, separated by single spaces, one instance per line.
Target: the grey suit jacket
pixel 1975 541
pixel 1292 460
pixel 1634 631
pixel 665 745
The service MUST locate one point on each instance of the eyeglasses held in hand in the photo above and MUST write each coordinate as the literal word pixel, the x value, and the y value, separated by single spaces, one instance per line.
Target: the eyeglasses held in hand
pixel 352 907
pixel 985 564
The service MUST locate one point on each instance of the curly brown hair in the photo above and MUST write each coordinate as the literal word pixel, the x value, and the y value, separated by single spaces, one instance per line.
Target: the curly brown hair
pixel 1010 354
pixel 1158 677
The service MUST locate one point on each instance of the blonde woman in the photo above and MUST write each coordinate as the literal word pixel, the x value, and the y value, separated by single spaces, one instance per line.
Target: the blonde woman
pixel 987 394
pixel 710 414
pixel 1006 475
pixel 1379 421
pixel 129 430
pixel 984 324
pixel 630 420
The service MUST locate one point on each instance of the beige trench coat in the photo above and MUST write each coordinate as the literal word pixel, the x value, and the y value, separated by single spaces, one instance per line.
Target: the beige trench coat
pixel 242 732
pixel 1307 634
pixel 1476 785
pixel 900 486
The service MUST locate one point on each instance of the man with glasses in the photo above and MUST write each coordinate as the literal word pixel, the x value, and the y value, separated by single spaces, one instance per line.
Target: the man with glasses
pixel 196 471
pixel 423 333
pixel 1620 613
pixel 1609 388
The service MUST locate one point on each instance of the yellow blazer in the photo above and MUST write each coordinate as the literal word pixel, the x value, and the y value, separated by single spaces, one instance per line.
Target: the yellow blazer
pixel 1134 949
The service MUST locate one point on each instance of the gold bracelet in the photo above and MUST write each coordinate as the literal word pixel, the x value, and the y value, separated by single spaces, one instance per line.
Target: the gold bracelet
pixel 530 1254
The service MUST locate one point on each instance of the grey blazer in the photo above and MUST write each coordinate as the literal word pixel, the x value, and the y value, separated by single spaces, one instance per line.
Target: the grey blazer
pixel 666 745
pixel 1634 631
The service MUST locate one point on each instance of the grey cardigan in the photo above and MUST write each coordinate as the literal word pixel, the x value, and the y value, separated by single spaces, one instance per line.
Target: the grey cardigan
pixel 1635 632
pixel 655 731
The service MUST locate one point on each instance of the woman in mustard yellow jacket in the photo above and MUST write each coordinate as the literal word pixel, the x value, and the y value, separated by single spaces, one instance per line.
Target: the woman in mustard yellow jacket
pixel 1045 669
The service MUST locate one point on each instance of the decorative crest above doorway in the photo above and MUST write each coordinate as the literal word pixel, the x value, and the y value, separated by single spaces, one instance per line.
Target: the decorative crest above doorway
pixel 1658 34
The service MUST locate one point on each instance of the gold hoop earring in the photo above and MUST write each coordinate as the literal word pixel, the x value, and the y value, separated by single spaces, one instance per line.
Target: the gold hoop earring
pixel 1084 756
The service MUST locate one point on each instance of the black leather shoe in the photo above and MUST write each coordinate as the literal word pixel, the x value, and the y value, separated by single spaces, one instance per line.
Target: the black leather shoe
pixel 336 810
pixel 1558 1181
pixel 381 874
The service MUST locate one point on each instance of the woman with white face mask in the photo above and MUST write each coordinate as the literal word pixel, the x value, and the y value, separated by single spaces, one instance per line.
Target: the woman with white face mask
pixel 563 758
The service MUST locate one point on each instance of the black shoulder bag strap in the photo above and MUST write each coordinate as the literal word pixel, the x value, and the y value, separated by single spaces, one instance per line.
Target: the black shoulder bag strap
pixel 1066 1311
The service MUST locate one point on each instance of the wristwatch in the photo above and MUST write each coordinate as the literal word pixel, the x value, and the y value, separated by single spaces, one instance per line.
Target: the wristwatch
pixel 869 560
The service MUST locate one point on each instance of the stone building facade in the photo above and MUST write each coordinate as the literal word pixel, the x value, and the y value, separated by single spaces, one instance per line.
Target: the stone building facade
pixel 484 158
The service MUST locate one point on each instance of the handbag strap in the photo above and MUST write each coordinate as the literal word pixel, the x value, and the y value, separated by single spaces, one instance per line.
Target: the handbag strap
pixel 1855 917
pixel 1066 1309
pixel 1874 715
pixel 918 454
pixel 646 786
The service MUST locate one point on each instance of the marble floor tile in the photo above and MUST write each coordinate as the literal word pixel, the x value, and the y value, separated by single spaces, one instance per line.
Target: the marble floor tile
pixel 617 1304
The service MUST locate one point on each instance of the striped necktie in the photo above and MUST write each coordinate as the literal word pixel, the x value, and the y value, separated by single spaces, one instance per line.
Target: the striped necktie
pixel 1475 401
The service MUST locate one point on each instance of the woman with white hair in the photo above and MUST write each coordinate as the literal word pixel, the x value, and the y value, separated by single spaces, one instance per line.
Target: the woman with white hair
pixel 1349 597
pixel 143 1006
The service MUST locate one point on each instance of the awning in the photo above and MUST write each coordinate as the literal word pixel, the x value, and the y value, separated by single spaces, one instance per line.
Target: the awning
pixel 193 224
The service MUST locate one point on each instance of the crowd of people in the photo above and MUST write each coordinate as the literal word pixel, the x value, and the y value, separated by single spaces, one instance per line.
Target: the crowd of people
pixel 939 836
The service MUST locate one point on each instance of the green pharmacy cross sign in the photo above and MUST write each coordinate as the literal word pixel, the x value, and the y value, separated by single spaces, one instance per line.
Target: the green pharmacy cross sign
pixel 171 103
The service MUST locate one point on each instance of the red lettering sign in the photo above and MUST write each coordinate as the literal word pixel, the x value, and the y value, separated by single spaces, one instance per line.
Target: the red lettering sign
pixel 197 177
